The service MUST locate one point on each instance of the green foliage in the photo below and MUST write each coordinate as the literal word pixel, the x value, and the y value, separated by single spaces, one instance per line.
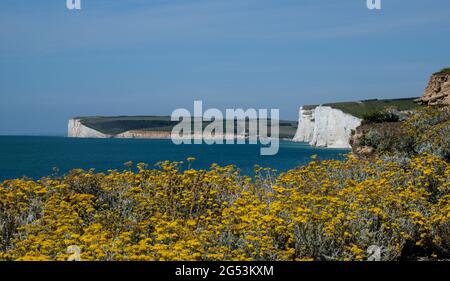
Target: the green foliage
pixel 426 130
pixel 380 117
pixel 443 71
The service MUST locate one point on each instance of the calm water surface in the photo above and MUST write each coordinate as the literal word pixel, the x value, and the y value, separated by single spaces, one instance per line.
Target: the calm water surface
pixel 36 157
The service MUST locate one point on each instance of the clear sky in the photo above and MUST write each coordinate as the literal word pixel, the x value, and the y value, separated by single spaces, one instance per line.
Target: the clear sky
pixel 140 57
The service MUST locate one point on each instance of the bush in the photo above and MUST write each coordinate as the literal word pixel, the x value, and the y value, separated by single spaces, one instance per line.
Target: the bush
pixel 380 117
pixel 424 131
pixel 330 210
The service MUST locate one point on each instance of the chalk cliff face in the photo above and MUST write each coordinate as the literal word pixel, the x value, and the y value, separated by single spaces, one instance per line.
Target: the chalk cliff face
pixel 326 127
pixel 77 130
pixel 305 130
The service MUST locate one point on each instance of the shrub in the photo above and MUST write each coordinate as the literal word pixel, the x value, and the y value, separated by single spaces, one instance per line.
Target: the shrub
pixel 380 117
pixel 330 210
pixel 424 131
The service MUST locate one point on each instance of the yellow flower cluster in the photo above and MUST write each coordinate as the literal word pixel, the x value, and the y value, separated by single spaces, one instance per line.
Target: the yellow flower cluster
pixel 329 210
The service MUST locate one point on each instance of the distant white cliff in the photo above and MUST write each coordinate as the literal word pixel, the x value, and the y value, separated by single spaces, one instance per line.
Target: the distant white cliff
pixel 326 127
pixel 77 130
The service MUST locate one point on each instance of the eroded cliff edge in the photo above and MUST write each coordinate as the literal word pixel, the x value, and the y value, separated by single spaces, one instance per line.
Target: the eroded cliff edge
pixel 325 126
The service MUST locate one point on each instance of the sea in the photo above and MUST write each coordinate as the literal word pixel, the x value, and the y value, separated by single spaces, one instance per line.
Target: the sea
pixel 38 156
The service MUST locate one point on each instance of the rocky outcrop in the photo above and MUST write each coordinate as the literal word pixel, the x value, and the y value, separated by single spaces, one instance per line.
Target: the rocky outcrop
pixel 77 130
pixel 438 90
pixel 325 126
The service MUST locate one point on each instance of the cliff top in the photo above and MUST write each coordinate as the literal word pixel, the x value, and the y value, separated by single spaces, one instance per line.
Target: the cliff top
pixel 361 108
pixel 443 71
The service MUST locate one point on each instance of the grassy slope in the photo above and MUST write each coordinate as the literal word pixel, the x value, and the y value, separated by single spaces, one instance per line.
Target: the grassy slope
pixel 120 124
pixel 360 108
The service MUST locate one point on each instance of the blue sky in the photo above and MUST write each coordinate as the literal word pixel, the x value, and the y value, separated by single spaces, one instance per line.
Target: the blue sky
pixel 150 57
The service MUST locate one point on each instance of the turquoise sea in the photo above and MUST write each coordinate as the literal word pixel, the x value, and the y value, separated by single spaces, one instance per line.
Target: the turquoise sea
pixel 36 157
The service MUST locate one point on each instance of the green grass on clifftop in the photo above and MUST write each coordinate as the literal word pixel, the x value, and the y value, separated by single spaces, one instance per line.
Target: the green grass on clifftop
pixel 443 71
pixel 119 124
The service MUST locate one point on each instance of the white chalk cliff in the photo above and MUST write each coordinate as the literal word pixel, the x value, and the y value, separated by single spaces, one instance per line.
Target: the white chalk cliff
pixel 77 130
pixel 325 126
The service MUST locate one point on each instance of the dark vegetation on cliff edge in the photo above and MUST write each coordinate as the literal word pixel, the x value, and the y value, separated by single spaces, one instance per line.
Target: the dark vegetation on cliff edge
pixel 380 117
pixel 443 71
